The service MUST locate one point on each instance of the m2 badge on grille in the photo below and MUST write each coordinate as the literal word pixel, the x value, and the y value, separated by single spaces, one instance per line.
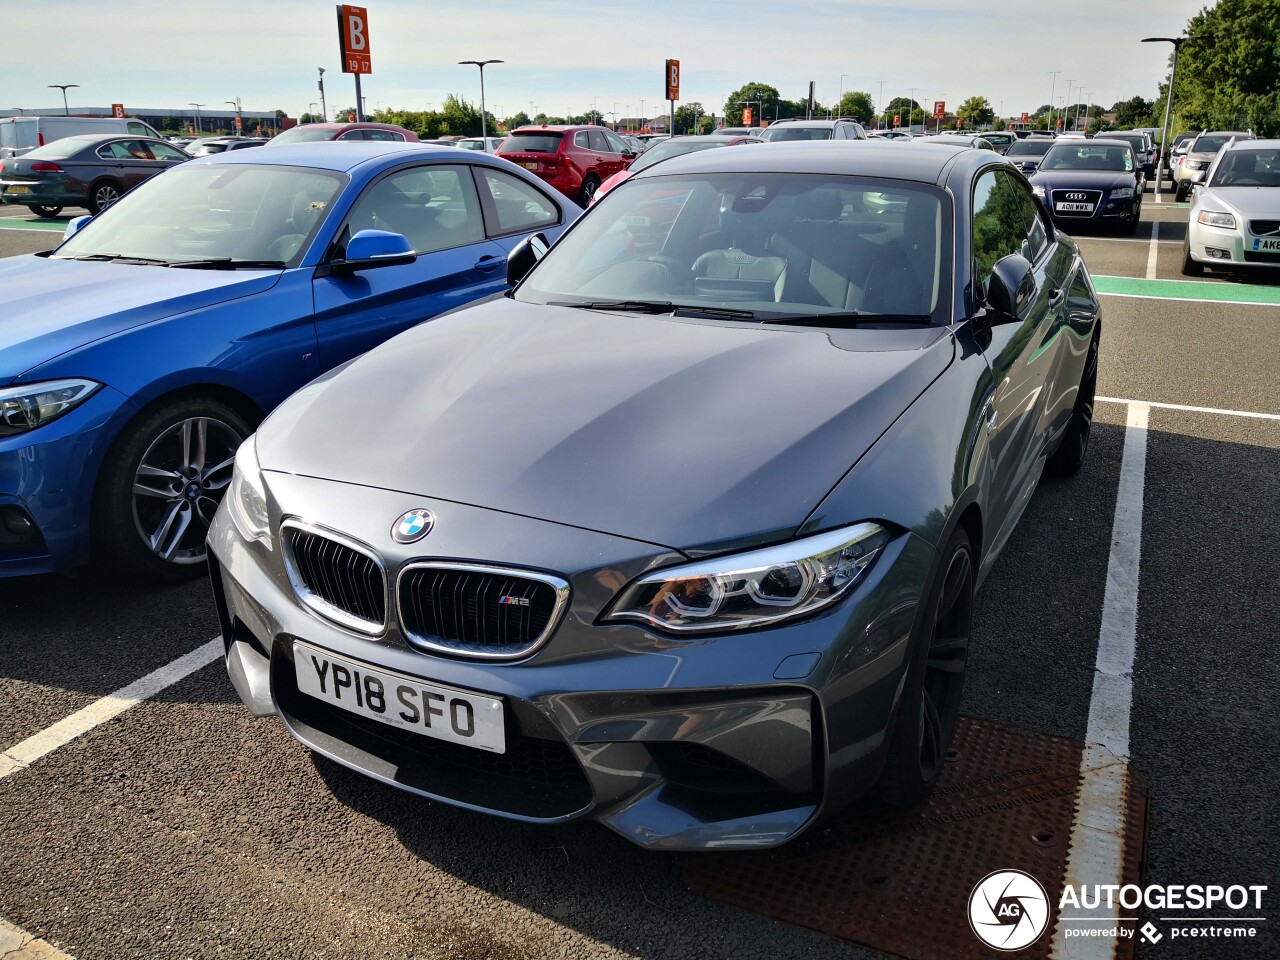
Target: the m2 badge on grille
pixel 405 702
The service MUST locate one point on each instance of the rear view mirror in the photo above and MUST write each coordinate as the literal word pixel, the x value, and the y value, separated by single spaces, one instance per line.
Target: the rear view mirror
pixel 74 226
pixel 1011 288
pixel 525 255
pixel 374 248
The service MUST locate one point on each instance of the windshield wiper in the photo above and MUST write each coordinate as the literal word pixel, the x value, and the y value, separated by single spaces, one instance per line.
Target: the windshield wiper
pixel 229 263
pixel 121 258
pixel 849 318
pixel 713 313
pixel 631 306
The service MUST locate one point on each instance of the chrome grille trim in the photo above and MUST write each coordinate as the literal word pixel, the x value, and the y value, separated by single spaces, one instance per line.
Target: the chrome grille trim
pixel 423 642
pixel 318 604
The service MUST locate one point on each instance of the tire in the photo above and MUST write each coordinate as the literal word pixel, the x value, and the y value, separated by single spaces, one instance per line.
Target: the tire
pixel 1190 267
pixel 1180 192
pixel 40 210
pixel 102 195
pixel 1131 227
pixel 926 716
pixel 1069 457
pixel 589 187
pixel 159 535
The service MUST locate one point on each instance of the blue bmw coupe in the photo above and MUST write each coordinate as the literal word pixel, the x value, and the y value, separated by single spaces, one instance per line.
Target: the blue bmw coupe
pixel 136 356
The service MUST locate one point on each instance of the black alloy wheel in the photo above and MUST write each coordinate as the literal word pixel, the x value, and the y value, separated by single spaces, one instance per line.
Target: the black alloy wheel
pixel 1190 267
pixel 40 210
pixel 1069 456
pixel 102 195
pixel 589 187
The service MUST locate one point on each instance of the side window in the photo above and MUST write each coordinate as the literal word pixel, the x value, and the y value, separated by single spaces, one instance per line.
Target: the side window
pixel 114 151
pixel 580 140
pixel 1036 233
pixel 131 150
pixel 998 225
pixel 436 207
pixel 352 135
pixel 838 133
pixel 615 143
pixel 162 151
pixel 598 141
pixel 383 135
pixel 518 205
pixel 139 129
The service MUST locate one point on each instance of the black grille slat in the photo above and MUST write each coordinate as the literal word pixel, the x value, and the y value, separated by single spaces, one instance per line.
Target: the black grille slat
pixel 340 576
pixel 461 610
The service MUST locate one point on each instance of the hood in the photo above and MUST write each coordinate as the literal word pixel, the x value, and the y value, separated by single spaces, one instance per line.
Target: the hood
pixel 690 434
pixel 1253 203
pixel 48 307
pixel 1084 179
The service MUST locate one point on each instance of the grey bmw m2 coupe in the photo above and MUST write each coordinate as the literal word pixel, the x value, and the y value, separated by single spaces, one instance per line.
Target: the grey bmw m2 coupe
pixel 682 534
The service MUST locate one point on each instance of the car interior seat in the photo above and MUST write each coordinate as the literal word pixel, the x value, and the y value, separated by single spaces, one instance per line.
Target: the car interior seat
pixel 745 270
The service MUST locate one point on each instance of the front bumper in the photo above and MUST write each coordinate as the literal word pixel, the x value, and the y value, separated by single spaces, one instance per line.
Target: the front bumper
pixel 1225 247
pixel 730 742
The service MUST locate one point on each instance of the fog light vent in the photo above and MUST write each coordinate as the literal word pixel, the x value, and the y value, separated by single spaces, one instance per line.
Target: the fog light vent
pixel 1218 253
pixel 17 529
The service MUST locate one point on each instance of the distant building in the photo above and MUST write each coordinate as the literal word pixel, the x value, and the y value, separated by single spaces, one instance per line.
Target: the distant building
pixel 211 121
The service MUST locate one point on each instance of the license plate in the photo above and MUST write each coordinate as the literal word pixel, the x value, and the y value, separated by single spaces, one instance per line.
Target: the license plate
pixel 529 166
pixel 13 190
pixel 1066 207
pixel 399 701
pixel 1269 244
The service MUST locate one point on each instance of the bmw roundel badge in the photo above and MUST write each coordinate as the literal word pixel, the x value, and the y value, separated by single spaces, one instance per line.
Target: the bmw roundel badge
pixel 413 525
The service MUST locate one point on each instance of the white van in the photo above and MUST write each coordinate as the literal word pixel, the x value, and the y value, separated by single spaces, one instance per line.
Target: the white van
pixel 20 135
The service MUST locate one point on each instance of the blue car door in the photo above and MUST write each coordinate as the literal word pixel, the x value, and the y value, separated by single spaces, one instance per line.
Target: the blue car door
pixel 437 207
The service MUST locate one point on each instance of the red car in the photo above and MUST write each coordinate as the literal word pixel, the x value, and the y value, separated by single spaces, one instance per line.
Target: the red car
pixel 574 160
pixel 310 132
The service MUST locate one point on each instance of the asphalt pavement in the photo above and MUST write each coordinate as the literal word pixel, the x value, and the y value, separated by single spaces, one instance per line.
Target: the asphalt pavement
pixel 185 828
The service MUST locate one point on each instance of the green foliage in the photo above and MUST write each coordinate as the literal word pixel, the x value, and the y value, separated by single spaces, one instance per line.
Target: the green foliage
pixel 856 104
pixel 311 118
pixel 456 117
pixel 975 112
pixel 1134 112
pixel 767 108
pixel 1228 79
pixel 687 117
pixel 520 119
pixel 903 106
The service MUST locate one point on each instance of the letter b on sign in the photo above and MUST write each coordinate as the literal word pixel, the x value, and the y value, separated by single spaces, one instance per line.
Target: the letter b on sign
pixel 355 29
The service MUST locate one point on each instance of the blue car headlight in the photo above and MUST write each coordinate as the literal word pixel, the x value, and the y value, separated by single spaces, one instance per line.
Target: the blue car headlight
pixel 30 405
pixel 755 589
pixel 1122 193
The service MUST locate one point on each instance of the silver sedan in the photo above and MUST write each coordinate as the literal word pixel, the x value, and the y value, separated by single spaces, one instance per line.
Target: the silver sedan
pixel 1235 214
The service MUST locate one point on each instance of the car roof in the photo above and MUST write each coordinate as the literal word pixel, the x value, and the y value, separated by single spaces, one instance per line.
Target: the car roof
pixel 558 127
pixel 344 156
pixel 830 157
pixel 1269 143
pixel 361 125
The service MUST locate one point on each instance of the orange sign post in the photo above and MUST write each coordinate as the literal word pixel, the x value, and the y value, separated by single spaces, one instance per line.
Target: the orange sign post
pixel 747 116
pixel 672 79
pixel 353 40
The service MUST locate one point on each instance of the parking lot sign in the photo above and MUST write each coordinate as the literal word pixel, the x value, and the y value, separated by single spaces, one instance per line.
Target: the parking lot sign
pixel 673 80
pixel 897 119
pixel 353 36
pixel 117 110
pixel 939 109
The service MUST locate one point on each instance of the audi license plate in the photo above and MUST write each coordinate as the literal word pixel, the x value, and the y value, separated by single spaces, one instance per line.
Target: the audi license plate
pixel 398 701
pixel 1272 243
pixel 1064 206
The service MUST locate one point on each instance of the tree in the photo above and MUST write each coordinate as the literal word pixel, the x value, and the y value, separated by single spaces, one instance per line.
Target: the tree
pixel 1134 112
pixel 521 119
pixel 975 112
pixel 910 111
pixel 1227 81
pixel 856 104
pixel 764 102
pixel 312 118
pixel 687 116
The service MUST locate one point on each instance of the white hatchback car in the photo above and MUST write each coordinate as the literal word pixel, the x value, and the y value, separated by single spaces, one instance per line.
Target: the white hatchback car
pixel 1235 212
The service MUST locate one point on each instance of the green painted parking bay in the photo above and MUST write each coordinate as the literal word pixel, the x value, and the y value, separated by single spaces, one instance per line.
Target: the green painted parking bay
pixel 16 223
pixel 1208 291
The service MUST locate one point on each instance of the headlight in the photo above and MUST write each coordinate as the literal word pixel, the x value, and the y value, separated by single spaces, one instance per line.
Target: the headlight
pixel 753 589
pixel 1215 219
pixel 32 405
pixel 1038 190
pixel 247 498
pixel 1121 193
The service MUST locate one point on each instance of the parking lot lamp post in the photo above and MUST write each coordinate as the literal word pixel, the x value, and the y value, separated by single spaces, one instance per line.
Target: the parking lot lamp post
pixel 1063 115
pixel 1168 103
pixel 481 64
pixel 1052 90
pixel 64 87
pixel 311 111
pixel 644 121
pixel 199 130
pixel 324 107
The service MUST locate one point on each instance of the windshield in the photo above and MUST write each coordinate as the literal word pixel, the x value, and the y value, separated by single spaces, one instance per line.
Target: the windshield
pixel 207 148
pixel 670 148
pixel 531 143
pixel 1029 148
pixel 1083 155
pixel 778 134
pixel 1248 168
pixel 306 133
pixel 1209 144
pixel 213 211
pixel 764 246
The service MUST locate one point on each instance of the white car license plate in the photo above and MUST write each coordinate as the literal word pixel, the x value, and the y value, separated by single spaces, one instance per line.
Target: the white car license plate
pixel 1272 243
pixel 1064 206
pixel 15 190
pixel 399 701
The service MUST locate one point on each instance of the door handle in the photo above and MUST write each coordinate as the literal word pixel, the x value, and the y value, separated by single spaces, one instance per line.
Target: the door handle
pixel 1056 297
pixel 487 263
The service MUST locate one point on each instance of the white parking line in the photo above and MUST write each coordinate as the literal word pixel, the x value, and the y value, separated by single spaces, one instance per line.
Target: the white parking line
pixel 1098 832
pixel 22 755
pixel 1154 251
pixel 1183 406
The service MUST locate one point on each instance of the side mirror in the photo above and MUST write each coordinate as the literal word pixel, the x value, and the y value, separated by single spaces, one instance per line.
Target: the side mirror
pixel 525 255
pixel 74 226
pixel 374 248
pixel 1011 288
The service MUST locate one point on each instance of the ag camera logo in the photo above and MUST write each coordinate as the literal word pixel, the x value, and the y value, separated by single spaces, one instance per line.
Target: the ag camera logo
pixel 1008 910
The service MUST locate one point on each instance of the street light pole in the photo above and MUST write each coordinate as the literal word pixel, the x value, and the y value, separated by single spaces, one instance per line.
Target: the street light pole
pixel 1066 103
pixel 1052 90
pixel 311 111
pixel 324 107
pixel 199 129
pixel 64 87
pixel 481 64
pixel 841 99
pixel 1168 103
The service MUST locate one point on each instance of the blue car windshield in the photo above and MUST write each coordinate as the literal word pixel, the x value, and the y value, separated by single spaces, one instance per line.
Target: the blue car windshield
pixel 757 246
pixel 213 211
pixel 1088 156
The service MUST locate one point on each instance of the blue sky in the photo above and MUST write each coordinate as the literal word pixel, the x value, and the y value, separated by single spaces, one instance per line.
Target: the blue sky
pixel 564 55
